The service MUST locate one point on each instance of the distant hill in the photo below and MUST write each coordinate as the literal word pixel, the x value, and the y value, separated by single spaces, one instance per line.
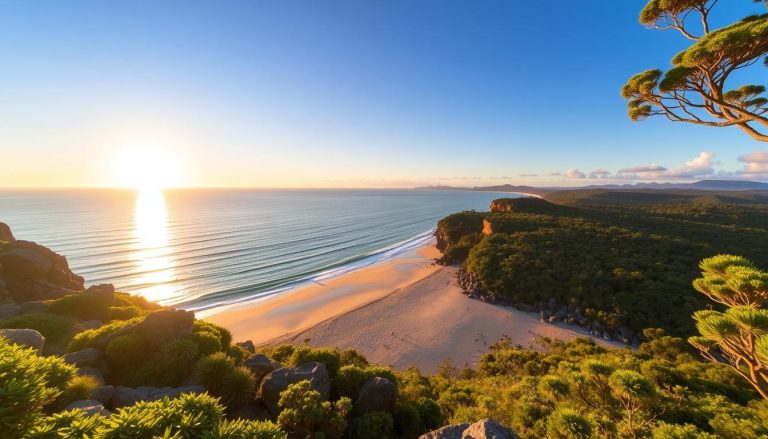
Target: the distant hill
pixel 601 197
pixel 703 185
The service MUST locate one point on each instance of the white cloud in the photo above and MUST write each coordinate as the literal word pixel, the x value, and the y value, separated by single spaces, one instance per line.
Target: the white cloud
pixel 529 175
pixel 574 173
pixel 599 173
pixel 698 167
pixel 755 164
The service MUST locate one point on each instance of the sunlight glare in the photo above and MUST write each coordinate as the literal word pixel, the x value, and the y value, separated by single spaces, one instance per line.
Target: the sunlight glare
pixel 147 168
pixel 151 252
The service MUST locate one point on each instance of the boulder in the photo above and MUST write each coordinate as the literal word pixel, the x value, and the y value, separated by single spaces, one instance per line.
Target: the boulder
pixel 447 432
pixel 254 412
pixel 124 396
pixel 105 291
pixel 261 365
pixel 87 357
pixel 35 306
pixel 485 429
pixel 25 263
pixel 279 380
pixel 488 429
pixel 90 407
pixel 5 233
pixel 376 395
pixel 247 345
pixel 9 310
pixel 166 324
pixel 24 337
pixel 103 394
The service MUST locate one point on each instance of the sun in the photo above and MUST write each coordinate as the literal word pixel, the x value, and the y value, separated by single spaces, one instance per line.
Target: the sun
pixel 146 168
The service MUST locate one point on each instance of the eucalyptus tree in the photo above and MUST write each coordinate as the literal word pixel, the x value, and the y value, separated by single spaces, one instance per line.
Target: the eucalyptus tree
pixel 739 335
pixel 697 89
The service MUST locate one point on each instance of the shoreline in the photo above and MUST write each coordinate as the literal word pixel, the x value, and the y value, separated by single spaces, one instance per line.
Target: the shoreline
pixel 305 306
pixel 404 311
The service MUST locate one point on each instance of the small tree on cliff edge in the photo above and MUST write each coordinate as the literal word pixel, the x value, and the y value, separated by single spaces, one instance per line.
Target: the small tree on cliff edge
pixel 695 89
pixel 738 336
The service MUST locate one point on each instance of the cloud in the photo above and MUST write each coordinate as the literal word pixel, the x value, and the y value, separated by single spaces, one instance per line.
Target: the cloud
pixel 698 167
pixel 599 173
pixel 755 165
pixel 641 169
pixel 529 175
pixel 574 173
pixel 555 174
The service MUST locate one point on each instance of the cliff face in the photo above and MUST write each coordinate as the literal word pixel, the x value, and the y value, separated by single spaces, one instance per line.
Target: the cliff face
pixel 29 271
pixel 528 204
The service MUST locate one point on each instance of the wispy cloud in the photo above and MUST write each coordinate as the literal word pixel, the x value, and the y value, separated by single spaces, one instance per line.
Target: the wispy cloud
pixel 599 173
pixel 755 164
pixel 574 173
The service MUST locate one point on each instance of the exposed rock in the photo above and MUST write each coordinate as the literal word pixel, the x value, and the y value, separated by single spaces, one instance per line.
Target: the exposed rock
pixel 261 365
pixel 9 310
pixel 87 357
pixel 24 263
pixel 279 380
pixel 124 396
pixel 376 394
pixel 103 394
pixel 87 324
pixel 447 432
pixel 247 345
pixel 35 306
pixel 485 429
pixel 24 337
pixel 166 324
pixel 90 407
pixel 488 429
pixel 101 288
pixel 487 227
pixel 5 233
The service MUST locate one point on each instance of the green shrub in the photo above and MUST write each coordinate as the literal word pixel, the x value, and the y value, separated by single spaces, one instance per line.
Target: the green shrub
pixel 382 372
pixel 171 366
pixel 237 353
pixel 351 357
pixel 55 328
pixel 70 424
pixel 238 387
pixel 349 380
pixel 90 337
pixel 246 429
pixel 123 312
pixel 207 342
pixel 126 299
pixel 222 334
pixel 281 354
pixel 305 415
pixel 430 413
pixel 78 388
pixel 373 425
pixel 568 424
pixel 330 357
pixel 673 431
pixel 408 423
pixel 126 351
pixel 81 306
pixel 210 371
pixel 28 383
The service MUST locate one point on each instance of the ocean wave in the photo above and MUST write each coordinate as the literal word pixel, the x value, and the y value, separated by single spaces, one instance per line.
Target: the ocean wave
pixel 344 266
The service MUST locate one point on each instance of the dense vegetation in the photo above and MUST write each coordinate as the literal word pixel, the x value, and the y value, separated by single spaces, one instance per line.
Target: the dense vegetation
pixel 626 257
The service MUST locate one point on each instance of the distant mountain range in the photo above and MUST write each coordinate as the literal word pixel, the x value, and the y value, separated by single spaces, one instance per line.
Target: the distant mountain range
pixel 704 185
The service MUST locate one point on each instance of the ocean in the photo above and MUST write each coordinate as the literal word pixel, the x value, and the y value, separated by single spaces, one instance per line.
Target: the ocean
pixel 199 249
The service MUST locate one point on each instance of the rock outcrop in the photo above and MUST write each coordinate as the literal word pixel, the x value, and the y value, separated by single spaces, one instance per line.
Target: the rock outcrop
pixel 261 366
pixel 24 337
pixel 88 357
pixel 5 233
pixel 279 380
pixel 29 271
pixel 376 395
pixel 485 429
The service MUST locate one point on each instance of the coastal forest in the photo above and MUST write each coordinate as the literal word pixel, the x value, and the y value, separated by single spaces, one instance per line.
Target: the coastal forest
pixel 624 259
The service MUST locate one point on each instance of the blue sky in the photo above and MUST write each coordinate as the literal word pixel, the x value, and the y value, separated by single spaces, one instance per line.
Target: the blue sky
pixel 330 93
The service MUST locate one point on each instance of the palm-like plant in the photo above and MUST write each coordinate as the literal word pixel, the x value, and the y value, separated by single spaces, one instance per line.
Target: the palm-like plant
pixel 739 336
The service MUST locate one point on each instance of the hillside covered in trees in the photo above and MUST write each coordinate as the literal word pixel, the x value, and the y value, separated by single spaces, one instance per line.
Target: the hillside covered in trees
pixel 624 258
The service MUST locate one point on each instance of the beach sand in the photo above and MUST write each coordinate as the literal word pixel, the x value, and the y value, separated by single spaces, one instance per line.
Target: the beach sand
pixel 403 312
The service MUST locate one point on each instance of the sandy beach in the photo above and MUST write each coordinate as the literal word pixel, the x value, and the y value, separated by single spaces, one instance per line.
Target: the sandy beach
pixel 403 312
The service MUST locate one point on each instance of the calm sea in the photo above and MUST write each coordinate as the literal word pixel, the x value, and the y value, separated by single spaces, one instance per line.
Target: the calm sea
pixel 203 248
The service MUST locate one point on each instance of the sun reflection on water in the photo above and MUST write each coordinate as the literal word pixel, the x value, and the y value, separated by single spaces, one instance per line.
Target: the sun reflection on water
pixel 151 251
